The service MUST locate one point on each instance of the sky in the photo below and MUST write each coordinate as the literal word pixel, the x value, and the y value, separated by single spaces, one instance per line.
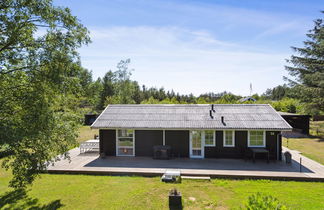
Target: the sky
pixel 194 46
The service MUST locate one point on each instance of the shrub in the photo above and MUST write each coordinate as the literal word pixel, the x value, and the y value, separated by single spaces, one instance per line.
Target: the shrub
pixel 261 201
pixel 287 105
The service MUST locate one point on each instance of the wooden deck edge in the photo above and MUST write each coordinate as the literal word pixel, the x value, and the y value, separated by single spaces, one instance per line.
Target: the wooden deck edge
pixel 213 176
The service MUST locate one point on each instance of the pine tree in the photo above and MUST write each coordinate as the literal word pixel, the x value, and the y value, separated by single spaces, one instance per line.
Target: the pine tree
pixel 307 69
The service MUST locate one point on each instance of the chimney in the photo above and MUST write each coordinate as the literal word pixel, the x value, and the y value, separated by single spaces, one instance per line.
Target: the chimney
pixel 212 107
pixel 211 114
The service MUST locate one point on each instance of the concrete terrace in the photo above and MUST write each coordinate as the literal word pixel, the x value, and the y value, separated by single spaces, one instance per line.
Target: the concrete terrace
pixel 90 163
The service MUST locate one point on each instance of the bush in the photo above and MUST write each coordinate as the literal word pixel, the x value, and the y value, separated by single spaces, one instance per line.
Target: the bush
pixel 261 201
pixel 287 105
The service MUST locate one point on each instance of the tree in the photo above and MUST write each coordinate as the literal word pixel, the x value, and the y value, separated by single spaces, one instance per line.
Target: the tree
pixel 276 93
pixel 124 86
pixel 90 90
pixel 137 96
pixel 93 94
pixel 307 69
pixel 150 100
pixel 118 88
pixel 107 89
pixel 38 84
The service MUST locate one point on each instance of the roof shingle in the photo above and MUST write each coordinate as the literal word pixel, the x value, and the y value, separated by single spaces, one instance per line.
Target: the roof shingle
pixel 191 116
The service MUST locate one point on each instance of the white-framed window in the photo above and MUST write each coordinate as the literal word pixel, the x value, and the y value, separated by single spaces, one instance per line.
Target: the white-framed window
pixel 256 139
pixel 209 138
pixel 125 142
pixel 229 138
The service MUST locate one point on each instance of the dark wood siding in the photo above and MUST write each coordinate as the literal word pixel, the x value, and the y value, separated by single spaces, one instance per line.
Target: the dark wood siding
pixel 272 143
pixel 179 142
pixel 300 123
pixel 219 151
pixel 107 143
pixel 241 142
pixel 145 140
pixel 211 151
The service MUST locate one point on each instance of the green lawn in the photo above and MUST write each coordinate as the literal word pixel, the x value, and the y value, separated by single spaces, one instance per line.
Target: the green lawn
pixel 86 133
pixel 312 147
pixel 115 192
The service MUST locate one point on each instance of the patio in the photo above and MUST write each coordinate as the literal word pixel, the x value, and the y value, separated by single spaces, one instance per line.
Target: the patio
pixel 90 163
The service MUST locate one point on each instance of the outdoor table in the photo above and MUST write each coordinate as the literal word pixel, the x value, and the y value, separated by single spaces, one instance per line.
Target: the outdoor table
pixel 260 150
pixel 89 145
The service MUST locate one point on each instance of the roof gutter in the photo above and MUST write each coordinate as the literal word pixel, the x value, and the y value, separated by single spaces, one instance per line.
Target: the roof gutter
pixel 92 126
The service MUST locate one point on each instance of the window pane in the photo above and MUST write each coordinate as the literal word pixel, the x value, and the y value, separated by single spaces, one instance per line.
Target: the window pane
pixel 209 142
pixel 196 139
pixel 209 137
pixel 196 152
pixel 228 135
pixel 258 143
pixel 229 138
pixel 125 133
pixel 256 138
pixel 252 133
pixel 260 133
pixel 196 135
pixel 125 142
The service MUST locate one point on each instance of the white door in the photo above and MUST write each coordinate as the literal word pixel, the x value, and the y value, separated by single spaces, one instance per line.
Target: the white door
pixel 196 144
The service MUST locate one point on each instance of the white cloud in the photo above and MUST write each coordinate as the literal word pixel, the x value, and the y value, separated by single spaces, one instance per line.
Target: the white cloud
pixel 184 60
pixel 289 27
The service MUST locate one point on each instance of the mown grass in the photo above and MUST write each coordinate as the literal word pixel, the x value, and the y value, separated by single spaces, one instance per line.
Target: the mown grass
pixel 86 133
pixel 312 147
pixel 123 192
pixel 317 128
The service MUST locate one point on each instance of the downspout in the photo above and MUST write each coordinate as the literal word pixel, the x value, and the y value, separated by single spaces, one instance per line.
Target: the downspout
pixel 279 146
pixel 163 137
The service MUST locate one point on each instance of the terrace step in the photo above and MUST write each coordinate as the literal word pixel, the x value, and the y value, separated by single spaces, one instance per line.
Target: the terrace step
pixel 196 177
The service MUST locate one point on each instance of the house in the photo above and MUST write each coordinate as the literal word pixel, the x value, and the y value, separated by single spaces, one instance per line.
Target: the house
pixel 89 118
pixel 249 98
pixel 299 123
pixel 192 131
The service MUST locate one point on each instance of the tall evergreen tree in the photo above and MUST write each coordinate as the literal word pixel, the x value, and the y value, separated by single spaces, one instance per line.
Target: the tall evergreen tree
pixel 107 89
pixel 307 69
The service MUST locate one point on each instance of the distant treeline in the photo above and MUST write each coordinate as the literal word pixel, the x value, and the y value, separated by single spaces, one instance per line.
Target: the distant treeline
pixel 116 87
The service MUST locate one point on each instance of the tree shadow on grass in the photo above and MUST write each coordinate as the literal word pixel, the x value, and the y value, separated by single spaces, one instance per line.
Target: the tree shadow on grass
pixel 320 140
pixel 18 199
pixel 318 137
